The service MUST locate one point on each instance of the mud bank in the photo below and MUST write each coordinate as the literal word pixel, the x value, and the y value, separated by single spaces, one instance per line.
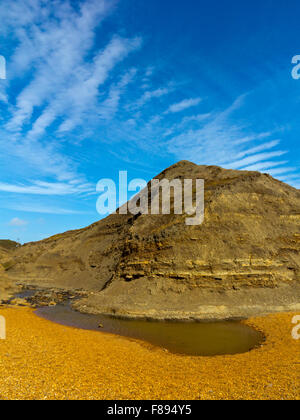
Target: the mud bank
pixel 196 305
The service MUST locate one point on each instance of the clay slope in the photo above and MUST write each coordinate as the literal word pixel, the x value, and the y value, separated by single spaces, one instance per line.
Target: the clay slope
pixel 243 259
pixel 6 284
pixel 6 250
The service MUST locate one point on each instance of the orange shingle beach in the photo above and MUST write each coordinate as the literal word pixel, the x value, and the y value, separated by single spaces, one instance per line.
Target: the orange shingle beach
pixel 43 360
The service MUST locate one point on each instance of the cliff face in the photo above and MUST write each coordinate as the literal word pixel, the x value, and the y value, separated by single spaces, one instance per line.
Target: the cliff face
pixel 6 284
pixel 245 254
pixel 6 250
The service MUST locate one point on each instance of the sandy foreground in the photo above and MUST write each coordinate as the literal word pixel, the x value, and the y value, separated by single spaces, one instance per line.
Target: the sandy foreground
pixel 42 360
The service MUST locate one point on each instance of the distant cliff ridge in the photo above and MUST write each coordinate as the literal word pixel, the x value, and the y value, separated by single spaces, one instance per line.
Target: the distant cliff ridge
pixel 243 260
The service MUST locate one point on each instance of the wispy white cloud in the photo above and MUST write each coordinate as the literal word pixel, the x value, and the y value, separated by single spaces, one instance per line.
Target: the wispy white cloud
pixel 30 208
pixel 3 97
pixel 149 95
pixel 54 39
pixel 264 165
pixel 196 118
pixel 255 158
pixel 289 178
pixel 16 222
pixel 81 96
pixel 146 83
pixel 199 118
pixel 52 48
pixel 222 137
pixel 149 71
pixel 214 141
pixel 183 105
pixel 44 157
pixel 256 149
pixel 46 188
pixel 280 171
pixel 109 107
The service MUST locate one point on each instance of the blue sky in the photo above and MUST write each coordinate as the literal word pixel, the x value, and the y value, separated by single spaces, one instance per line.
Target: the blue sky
pixel 98 87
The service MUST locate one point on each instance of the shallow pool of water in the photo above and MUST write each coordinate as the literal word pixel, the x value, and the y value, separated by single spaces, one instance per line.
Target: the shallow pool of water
pixel 197 339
